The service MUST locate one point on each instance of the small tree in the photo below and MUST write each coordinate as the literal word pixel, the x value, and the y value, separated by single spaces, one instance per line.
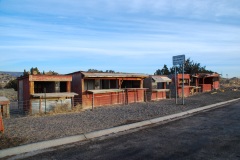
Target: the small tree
pixel 163 71
pixel 191 67
pixel 34 70
pixel 12 84
pixel 110 71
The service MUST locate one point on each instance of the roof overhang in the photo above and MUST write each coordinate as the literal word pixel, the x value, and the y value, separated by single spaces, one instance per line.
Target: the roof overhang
pixel 105 91
pixel 50 78
pixel 113 75
pixel 54 95
pixel 161 79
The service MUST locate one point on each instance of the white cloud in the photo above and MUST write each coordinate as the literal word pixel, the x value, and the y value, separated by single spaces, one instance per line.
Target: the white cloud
pixel 137 30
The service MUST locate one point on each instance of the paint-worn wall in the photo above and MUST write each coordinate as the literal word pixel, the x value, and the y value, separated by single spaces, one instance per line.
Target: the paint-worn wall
pixel 158 96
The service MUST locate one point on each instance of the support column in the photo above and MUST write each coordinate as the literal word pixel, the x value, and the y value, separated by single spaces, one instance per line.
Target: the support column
pixel 68 89
pixel 31 87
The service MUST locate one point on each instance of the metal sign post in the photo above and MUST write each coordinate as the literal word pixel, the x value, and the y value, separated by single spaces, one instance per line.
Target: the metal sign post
pixel 176 84
pixel 45 96
pixel 179 60
pixel 183 83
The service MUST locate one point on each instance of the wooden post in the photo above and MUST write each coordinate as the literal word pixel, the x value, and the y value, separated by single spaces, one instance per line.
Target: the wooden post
pixel 68 86
pixel 135 95
pixel 40 105
pixel 92 101
pixel 126 96
pixel 145 93
pixel 1 121
pixel 72 99
pixel 31 91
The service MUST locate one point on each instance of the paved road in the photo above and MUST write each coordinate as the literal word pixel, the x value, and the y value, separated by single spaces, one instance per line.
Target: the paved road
pixel 210 135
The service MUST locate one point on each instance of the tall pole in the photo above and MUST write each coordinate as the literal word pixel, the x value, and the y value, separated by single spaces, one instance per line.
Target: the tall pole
pixel 45 100
pixel 176 84
pixel 183 84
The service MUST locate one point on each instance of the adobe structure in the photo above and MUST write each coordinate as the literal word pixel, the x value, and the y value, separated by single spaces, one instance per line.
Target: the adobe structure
pixel 206 81
pixel 99 89
pixel 179 80
pixel 41 93
pixel 158 87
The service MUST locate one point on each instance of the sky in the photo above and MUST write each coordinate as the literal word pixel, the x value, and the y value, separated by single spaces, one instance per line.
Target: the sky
pixel 136 36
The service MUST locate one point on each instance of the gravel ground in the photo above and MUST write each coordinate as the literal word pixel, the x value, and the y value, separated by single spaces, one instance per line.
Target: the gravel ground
pixel 31 129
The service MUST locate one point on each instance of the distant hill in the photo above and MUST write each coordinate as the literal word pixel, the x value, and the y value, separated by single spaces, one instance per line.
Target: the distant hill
pixel 13 74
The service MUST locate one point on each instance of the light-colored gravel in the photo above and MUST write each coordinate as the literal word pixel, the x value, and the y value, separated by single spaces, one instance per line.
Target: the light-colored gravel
pixel 34 129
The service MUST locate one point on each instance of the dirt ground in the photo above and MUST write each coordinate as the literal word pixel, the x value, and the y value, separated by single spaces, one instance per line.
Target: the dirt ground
pixel 208 135
pixel 30 129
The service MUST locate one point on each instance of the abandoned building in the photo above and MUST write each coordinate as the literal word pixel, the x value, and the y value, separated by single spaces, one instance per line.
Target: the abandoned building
pixel 206 81
pixel 179 80
pixel 158 87
pixel 99 89
pixel 42 93
pixel 195 83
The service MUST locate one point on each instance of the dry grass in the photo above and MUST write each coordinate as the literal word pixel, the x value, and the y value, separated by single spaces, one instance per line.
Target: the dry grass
pixel 11 94
pixel 61 109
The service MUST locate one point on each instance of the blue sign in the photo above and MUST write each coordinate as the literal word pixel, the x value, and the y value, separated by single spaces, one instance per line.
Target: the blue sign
pixel 178 60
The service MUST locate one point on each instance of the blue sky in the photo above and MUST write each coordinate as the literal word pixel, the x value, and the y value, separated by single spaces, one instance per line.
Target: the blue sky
pixel 137 36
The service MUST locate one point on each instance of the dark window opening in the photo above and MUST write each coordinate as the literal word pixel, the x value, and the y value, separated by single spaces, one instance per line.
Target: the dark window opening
pixel 63 86
pixel 160 85
pixel 89 84
pixel 39 87
pixel 131 84
pixel 109 84
pixel 105 84
pixel 51 87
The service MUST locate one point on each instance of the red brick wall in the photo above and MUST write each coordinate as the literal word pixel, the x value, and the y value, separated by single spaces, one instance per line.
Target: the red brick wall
pixel 135 96
pixel 216 85
pixel 206 87
pixel 158 95
pixel 103 99
pixel 186 92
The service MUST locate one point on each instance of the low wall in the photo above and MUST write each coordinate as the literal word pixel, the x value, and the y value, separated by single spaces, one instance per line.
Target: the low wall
pixel 158 95
pixel 112 98
pixel 39 105
pixel 102 99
